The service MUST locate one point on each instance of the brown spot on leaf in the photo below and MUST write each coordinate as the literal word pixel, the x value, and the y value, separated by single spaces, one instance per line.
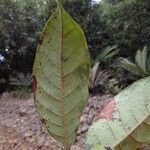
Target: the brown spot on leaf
pixel 41 40
pixel 107 112
pixel 43 121
pixel 34 84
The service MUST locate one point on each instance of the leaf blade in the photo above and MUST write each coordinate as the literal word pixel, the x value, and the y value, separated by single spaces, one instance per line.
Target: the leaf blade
pixel 62 76
pixel 130 121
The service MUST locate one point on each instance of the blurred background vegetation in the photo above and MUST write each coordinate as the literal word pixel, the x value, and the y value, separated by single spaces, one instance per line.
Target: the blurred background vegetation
pixel 117 32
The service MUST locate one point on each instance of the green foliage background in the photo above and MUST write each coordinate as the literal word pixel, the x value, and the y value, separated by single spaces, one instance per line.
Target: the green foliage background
pixel 123 23
pixel 128 21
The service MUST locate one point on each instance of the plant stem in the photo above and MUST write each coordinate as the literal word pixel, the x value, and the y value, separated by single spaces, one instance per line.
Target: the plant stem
pixel 58 2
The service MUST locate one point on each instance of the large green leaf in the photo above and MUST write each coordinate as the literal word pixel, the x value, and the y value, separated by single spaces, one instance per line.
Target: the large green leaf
pixel 61 69
pixel 125 122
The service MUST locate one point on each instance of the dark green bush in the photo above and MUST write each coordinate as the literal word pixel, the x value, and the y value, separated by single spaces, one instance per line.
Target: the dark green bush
pixel 124 23
pixel 128 22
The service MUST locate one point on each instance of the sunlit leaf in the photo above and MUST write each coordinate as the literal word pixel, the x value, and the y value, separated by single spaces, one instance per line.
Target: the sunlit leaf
pixel 124 123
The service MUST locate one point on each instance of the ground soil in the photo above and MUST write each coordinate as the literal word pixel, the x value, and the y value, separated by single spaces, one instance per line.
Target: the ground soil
pixel 21 128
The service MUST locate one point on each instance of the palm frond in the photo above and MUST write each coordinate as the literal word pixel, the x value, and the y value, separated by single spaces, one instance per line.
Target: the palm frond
pixel 107 53
pixel 21 79
pixel 131 67
pixel 141 59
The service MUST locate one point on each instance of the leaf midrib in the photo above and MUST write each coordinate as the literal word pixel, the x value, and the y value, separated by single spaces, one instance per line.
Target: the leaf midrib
pixel 62 81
